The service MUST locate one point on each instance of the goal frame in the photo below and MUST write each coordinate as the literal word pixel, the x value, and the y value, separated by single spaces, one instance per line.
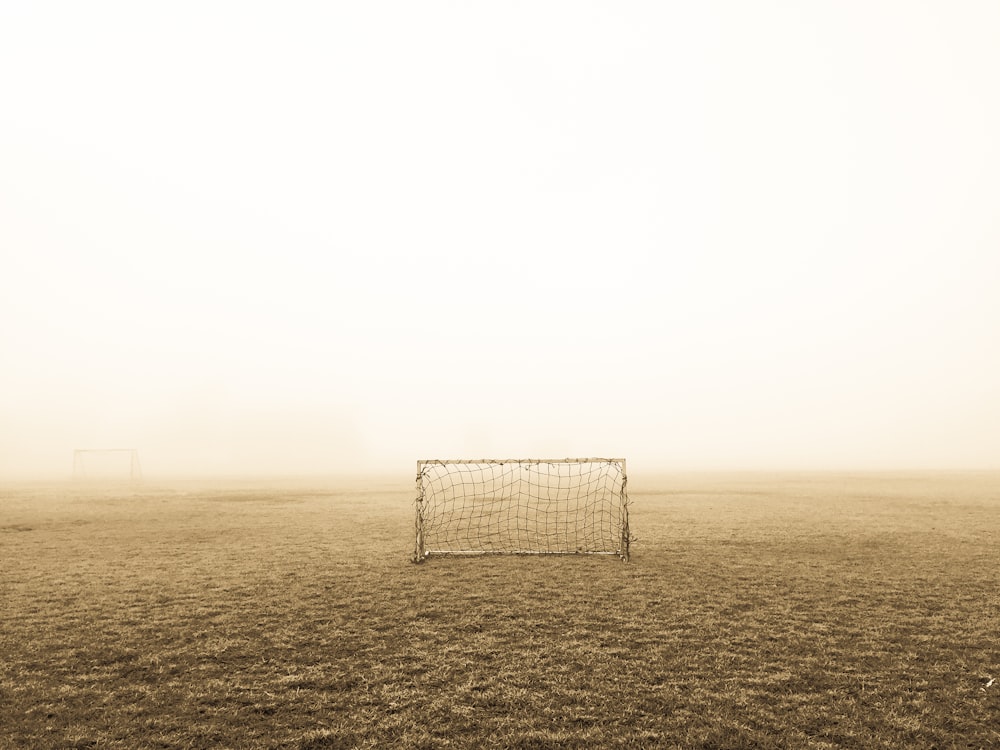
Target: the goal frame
pixel 623 534
pixel 80 471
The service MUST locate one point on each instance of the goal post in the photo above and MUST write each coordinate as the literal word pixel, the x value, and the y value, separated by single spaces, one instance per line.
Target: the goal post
pixel 106 464
pixel 522 506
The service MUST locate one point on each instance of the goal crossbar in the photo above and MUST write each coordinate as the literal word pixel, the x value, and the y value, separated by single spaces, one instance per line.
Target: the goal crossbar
pixel 523 506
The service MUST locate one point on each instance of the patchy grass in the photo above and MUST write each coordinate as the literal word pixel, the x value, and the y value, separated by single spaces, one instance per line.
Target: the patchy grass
pixel 821 611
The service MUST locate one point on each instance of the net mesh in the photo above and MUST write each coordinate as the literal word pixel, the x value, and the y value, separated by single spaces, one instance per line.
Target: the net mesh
pixel 522 506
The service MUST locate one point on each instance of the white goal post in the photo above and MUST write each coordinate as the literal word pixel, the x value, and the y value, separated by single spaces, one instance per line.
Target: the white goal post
pixel 107 464
pixel 522 506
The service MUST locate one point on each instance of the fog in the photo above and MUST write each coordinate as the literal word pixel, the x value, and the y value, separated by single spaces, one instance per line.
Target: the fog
pixel 254 239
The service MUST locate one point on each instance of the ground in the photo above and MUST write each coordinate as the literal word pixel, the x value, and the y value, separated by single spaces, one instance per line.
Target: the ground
pixel 759 611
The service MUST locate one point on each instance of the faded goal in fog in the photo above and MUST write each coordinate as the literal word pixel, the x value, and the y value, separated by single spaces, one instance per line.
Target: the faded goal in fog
pixel 522 506
pixel 107 464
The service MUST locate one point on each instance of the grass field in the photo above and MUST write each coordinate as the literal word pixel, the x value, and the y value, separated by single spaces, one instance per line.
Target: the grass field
pixel 759 611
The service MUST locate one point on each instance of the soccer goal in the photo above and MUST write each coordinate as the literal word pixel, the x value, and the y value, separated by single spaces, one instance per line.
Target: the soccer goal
pixel 522 506
pixel 107 465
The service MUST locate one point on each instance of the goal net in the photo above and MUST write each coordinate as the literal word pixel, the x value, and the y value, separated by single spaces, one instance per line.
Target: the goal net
pixel 522 506
pixel 107 465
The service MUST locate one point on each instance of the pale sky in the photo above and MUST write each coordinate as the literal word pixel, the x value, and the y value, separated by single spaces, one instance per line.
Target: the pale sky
pixel 273 238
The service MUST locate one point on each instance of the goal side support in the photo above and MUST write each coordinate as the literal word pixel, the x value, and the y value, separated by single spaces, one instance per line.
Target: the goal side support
pixel 522 506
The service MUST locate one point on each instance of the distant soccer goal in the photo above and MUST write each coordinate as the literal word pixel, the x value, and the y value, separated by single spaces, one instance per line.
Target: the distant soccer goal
pixel 522 506
pixel 107 465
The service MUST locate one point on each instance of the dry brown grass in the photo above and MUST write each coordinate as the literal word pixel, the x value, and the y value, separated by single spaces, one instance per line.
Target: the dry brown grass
pixel 820 611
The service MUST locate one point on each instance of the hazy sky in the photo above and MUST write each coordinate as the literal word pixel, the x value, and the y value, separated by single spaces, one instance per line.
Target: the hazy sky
pixel 310 237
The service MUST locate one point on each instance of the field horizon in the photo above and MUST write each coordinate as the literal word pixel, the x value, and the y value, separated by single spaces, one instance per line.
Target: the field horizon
pixel 815 609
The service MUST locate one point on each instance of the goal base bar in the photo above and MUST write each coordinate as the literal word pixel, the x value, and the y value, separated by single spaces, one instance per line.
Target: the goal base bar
pixel 480 552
